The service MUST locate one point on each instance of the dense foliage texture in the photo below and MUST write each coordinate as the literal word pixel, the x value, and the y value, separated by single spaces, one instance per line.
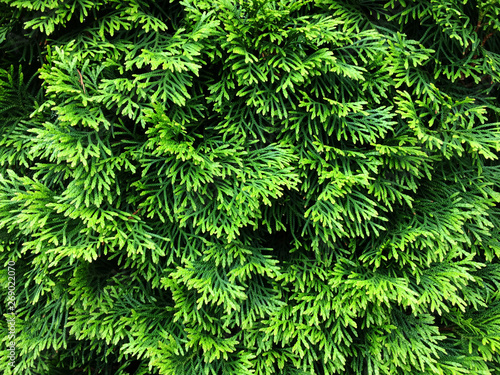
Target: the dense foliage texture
pixel 208 187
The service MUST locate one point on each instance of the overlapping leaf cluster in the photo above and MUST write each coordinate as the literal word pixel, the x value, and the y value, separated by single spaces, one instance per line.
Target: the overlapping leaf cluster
pixel 252 187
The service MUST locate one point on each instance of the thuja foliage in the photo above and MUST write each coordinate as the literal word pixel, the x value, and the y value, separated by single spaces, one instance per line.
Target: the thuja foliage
pixel 251 186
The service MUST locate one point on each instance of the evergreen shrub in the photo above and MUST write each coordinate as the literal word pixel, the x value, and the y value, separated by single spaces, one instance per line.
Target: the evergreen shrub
pixel 208 187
